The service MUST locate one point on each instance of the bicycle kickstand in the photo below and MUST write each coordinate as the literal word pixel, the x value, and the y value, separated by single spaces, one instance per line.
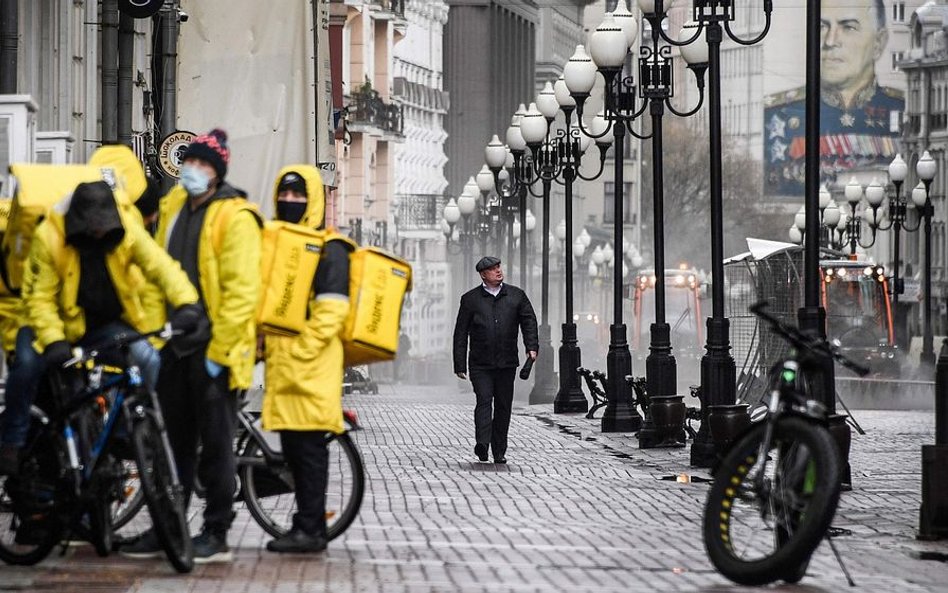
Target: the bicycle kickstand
pixel 842 565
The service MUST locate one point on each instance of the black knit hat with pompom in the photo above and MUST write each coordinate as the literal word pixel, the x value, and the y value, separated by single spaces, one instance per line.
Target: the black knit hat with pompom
pixel 212 148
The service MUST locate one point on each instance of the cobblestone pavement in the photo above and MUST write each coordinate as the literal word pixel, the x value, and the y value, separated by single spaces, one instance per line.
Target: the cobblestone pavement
pixel 574 510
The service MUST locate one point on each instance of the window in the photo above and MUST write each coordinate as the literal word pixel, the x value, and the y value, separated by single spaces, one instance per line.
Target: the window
pixel 898 12
pixel 608 203
pixel 896 58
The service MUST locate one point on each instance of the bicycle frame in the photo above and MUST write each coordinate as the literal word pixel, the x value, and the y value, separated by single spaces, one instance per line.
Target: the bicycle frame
pixel 248 421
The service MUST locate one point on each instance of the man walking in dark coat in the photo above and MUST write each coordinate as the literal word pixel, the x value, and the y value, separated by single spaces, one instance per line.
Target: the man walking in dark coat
pixel 490 317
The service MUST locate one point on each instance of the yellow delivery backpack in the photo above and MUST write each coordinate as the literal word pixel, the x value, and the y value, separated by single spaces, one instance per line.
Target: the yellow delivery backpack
pixel 378 283
pixel 289 256
pixel 37 187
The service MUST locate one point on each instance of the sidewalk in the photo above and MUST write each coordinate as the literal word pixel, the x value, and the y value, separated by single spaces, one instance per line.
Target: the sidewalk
pixel 574 510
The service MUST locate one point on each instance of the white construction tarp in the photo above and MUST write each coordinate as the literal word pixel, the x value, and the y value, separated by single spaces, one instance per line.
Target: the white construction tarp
pixel 247 67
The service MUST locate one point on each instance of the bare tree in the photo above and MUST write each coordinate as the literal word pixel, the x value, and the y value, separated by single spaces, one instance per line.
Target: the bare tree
pixel 687 190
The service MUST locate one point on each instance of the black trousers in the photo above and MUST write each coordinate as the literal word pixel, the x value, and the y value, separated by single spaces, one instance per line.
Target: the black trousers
pixel 199 409
pixel 494 389
pixel 306 453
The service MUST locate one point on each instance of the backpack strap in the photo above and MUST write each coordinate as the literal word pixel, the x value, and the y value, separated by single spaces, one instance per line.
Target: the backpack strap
pixel 225 214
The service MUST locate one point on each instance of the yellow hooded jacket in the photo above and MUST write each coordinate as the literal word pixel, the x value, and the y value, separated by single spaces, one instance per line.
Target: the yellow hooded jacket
pixel 229 265
pixel 131 183
pixel 51 301
pixel 304 373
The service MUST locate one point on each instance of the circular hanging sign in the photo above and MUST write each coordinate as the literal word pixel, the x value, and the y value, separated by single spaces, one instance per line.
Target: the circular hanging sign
pixel 170 151
pixel 140 9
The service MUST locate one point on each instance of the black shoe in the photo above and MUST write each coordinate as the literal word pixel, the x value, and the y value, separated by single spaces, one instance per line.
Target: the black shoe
pixel 144 547
pixel 9 460
pixel 500 460
pixel 211 546
pixel 297 541
pixel 481 451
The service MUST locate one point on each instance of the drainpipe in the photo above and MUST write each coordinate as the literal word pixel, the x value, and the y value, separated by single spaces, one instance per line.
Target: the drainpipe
pixel 110 22
pixel 8 46
pixel 126 56
pixel 169 70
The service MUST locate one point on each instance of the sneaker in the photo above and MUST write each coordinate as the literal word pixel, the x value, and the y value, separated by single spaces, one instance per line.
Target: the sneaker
pixel 500 460
pixel 297 541
pixel 480 450
pixel 9 460
pixel 211 546
pixel 143 547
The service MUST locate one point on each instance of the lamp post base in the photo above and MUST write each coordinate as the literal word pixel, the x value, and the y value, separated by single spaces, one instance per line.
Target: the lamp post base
pixel 661 378
pixel 544 385
pixel 718 376
pixel 619 414
pixel 570 397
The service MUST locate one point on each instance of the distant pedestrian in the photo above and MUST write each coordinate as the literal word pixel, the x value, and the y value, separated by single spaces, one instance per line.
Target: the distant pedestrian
pixel 404 352
pixel 490 316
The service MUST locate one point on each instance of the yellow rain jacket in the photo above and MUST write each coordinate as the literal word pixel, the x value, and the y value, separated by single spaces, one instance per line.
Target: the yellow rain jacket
pixel 52 303
pixel 229 265
pixel 131 183
pixel 10 305
pixel 304 373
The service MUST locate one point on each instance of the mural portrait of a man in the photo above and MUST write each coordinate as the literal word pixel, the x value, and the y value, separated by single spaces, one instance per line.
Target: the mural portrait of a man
pixel 859 119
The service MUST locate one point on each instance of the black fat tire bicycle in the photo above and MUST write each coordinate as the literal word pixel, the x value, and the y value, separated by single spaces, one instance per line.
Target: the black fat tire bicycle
pixel 72 477
pixel 776 490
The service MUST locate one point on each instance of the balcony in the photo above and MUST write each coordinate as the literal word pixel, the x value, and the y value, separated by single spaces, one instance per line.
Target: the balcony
pixel 389 9
pixel 369 114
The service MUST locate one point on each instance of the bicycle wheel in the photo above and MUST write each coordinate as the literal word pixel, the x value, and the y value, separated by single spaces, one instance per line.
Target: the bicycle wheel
pixel 163 493
pixel 269 493
pixel 755 536
pixel 89 425
pixel 30 525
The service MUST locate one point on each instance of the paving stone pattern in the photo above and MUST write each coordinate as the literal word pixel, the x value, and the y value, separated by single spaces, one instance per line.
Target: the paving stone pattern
pixel 573 510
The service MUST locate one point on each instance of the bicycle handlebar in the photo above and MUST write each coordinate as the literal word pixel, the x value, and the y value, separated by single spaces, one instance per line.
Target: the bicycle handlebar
pixel 818 346
pixel 81 355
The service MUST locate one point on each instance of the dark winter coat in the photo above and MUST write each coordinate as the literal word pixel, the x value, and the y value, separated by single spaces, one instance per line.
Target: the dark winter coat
pixel 492 323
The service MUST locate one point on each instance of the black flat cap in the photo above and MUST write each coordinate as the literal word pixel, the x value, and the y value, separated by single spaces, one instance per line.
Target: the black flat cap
pixel 486 262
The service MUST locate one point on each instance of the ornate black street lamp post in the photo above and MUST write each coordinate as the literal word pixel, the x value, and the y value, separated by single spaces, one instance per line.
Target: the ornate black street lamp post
pixel 555 155
pixel 718 372
pixel 656 86
pixel 609 46
pixel 926 169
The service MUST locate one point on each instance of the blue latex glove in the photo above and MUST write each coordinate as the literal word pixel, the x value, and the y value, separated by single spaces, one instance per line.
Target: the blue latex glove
pixel 213 369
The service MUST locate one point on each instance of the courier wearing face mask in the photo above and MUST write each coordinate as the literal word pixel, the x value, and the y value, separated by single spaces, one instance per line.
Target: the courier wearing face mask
pixel 210 228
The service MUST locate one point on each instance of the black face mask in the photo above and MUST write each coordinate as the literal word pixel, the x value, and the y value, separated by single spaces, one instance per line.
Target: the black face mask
pixel 291 211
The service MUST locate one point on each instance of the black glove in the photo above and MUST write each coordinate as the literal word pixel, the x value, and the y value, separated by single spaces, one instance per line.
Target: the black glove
pixel 57 353
pixel 186 318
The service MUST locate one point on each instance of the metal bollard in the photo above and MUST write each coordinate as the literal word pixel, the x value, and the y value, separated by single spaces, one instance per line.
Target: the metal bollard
pixel 933 515
pixel 941 396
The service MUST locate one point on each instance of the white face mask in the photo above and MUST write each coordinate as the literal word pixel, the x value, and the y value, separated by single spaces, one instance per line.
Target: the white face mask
pixel 194 180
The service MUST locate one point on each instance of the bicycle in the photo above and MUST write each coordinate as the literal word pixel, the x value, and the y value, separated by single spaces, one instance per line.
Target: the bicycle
pixel 776 490
pixel 265 483
pixel 71 472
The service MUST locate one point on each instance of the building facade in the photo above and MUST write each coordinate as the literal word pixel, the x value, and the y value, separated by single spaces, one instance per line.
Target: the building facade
pixel 373 118
pixel 420 182
pixel 925 64
pixel 58 80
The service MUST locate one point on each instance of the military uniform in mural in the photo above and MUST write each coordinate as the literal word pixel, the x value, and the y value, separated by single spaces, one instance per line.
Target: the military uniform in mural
pixel 862 134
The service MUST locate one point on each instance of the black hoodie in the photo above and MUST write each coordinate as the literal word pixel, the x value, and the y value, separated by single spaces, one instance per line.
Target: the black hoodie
pixel 94 228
